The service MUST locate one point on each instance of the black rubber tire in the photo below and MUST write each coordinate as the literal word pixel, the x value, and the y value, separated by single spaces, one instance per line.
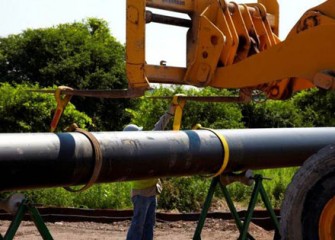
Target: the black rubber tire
pixel 311 188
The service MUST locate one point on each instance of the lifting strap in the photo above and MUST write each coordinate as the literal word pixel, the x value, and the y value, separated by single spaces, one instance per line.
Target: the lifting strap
pixel 61 105
pixel 179 103
pixel 62 102
pixel 97 156
pixel 225 147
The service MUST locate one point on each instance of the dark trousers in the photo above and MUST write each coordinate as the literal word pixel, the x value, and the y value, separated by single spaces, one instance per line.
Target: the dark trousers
pixel 143 221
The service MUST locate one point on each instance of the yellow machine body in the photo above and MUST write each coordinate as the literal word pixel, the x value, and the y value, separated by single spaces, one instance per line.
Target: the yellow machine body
pixel 236 46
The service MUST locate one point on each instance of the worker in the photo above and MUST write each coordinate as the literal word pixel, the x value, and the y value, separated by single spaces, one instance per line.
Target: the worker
pixel 143 193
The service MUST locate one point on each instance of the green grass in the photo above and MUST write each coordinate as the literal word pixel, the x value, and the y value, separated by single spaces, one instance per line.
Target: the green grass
pixel 114 196
pixel 185 194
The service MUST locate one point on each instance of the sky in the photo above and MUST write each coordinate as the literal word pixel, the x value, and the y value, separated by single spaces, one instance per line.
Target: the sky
pixel 162 42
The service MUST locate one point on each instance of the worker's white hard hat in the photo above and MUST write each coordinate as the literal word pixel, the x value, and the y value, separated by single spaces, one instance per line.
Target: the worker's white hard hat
pixel 132 127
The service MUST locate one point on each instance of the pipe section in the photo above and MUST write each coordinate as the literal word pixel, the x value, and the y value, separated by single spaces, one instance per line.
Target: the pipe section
pixel 39 160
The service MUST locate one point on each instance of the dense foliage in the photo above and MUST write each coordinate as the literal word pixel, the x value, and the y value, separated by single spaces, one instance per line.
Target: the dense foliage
pixel 213 115
pixel 79 55
pixel 25 111
pixel 115 196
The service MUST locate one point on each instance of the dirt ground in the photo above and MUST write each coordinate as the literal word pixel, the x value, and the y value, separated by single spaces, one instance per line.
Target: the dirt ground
pixel 213 229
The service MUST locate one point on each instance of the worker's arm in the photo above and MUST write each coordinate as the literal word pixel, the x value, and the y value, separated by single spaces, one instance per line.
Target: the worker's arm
pixel 165 118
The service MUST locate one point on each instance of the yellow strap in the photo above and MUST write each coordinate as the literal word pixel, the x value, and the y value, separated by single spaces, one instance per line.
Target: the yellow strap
pixel 61 104
pixel 180 103
pixel 224 145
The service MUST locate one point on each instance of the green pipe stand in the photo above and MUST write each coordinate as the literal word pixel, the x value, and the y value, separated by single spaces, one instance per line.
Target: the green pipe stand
pixel 242 227
pixel 27 207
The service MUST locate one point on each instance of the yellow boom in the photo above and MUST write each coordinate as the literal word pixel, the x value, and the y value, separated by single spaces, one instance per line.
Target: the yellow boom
pixel 236 46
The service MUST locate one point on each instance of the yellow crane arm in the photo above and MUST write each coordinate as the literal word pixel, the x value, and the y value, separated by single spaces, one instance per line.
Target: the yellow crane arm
pixel 236 46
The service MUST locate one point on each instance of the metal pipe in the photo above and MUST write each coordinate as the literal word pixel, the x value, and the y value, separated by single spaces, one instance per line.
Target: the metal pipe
pixel 163 19
pixel 38 160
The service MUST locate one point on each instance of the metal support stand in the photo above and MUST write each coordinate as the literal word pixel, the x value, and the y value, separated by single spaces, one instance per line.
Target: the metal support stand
pixel 197 233
pixel 242 227
pixel 258 189
pixel 26 206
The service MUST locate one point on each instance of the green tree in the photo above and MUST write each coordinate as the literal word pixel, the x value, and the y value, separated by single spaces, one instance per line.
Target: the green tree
pixel 317 107
pixel 209 114
pixel 310 108
pixel 24 111
pixel 212 115
pixel 79 55
pixel 273 114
